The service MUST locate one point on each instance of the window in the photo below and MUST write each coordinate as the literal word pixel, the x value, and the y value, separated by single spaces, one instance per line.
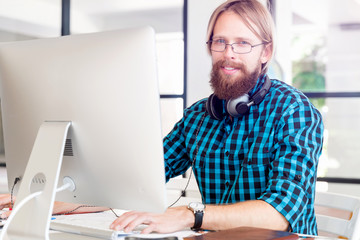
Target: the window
pixel 321 37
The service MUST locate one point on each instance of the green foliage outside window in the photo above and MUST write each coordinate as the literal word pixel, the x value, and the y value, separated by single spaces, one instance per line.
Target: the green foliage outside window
pixel 309 69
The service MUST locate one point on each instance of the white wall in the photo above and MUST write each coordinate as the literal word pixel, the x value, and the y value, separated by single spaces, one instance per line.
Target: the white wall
pixel 283 19
pixel 198 60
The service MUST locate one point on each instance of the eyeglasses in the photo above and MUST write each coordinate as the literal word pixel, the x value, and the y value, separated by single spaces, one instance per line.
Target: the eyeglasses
pixel 240 47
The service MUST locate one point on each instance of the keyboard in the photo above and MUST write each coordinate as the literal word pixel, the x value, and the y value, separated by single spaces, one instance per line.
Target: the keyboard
pixel 92 225
pixel 88 231
pixel 91 231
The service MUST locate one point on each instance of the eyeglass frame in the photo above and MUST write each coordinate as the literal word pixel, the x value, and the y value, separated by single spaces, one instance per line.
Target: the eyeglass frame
pixel 232 48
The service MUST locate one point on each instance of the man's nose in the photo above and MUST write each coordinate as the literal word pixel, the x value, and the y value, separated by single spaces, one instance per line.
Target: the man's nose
pixel 229 51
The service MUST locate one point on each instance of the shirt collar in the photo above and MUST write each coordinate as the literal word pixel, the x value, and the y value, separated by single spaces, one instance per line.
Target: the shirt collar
pixel 259 83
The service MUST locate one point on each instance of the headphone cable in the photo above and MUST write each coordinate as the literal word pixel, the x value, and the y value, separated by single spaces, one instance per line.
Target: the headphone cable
pixel 17 179
pixel 183 192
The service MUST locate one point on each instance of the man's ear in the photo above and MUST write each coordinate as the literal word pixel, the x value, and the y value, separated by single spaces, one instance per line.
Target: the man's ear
pixel 266 53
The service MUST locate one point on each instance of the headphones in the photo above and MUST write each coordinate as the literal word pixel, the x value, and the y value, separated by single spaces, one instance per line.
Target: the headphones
pixel 235 107
pixel 238 106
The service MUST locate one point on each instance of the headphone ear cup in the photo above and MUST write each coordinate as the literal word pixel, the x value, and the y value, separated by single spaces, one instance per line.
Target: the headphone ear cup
pixel 238 106
pixel 242 108
pixel 214 107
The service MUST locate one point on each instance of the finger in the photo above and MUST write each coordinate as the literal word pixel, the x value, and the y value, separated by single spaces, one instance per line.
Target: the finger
pixel 5 200
pixel 123 220
pixel 2 206
pixel 5 215
pixel 140 219
pixel 149 229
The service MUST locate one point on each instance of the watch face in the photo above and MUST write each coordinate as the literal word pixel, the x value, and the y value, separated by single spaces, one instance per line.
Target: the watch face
pixel 197 206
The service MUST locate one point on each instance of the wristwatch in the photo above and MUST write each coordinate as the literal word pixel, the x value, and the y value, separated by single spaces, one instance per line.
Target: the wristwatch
pixel 198 209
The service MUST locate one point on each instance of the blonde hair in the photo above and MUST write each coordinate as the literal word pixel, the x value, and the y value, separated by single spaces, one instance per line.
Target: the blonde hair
pixel 250 11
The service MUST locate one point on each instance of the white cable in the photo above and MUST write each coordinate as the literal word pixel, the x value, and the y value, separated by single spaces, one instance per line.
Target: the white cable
pixel 22 203
pixel 64 187
pixel 13 213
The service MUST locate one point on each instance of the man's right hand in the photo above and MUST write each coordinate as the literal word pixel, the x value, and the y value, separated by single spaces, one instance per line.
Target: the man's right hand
pixel 5 202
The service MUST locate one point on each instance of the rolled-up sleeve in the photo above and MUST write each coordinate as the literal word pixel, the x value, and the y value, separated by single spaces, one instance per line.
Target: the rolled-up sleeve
pixel 295 154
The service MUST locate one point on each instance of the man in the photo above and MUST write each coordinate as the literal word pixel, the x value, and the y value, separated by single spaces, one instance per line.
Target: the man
pixel 254 144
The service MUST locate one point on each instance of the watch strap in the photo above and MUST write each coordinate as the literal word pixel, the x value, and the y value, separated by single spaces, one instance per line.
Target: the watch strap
pixel 198 220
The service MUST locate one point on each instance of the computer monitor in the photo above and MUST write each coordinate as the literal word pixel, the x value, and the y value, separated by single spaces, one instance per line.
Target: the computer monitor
pixel 105 85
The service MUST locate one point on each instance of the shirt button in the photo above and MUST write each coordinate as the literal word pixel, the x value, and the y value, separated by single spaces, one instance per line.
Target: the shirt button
pixel 227 184
pixel 227 153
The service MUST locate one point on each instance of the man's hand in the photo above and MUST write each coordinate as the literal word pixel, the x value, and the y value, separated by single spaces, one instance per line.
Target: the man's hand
pixel 5 202
pixel 174 219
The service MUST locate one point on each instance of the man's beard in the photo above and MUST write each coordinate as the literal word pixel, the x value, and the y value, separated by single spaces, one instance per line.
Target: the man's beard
pixel 226 86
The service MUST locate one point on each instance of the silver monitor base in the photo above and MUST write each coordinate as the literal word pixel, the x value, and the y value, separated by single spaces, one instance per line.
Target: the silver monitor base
pixel 32 220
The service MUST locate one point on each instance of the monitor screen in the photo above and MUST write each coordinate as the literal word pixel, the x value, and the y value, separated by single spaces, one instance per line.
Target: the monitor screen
pixel 106 85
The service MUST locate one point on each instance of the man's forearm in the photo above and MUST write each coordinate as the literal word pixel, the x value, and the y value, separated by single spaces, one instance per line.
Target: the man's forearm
pixel 255 213
pixel 66 208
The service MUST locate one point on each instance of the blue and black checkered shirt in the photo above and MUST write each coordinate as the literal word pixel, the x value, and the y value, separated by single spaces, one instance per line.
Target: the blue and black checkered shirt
pixel 270 154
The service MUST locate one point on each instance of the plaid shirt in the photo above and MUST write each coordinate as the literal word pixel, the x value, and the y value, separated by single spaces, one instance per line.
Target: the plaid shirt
pixel 270 154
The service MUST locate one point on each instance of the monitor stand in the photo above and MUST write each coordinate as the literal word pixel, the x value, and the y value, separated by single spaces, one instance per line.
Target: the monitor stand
pixel 32 220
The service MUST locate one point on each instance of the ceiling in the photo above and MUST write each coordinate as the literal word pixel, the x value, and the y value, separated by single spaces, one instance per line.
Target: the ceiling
pixel 331 12
pixel 42 18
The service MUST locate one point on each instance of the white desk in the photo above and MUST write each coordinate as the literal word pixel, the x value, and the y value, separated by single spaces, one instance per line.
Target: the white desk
pixel 104 220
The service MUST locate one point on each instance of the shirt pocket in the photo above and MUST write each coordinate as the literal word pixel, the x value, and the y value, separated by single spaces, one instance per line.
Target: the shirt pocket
pixel 254 175
pixel 260 157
